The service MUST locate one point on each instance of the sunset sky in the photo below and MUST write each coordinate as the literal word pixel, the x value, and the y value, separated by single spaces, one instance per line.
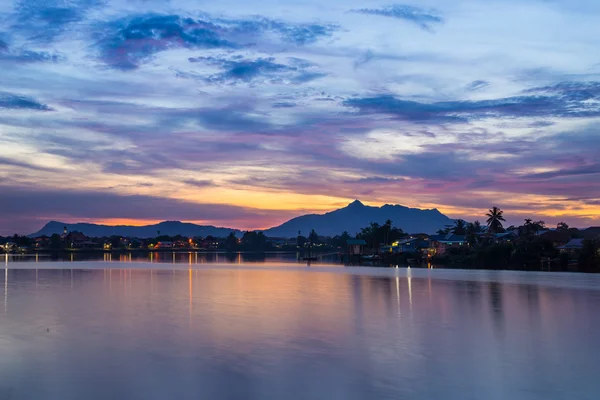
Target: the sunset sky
pixel 245 114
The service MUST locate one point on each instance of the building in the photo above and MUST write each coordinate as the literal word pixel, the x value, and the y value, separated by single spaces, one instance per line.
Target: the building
pixel 558 238
pixel 409 245
pixel 572 246
pixel 439 244
pixel 505 237
pixel 9 246
pixel 355 246
pixel 77 240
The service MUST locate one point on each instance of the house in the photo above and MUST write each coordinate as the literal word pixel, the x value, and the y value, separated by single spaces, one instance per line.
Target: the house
pixel 558 238
pixel 9 246
pixel 42 241
pixel 77 240
pixel 164 245
pixel 409 245
pixel 572 246
pixel 505 237
pixel 439 244
pixel 355 246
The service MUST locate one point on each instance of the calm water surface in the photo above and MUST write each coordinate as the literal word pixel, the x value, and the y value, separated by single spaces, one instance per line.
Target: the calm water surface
pixel 278 331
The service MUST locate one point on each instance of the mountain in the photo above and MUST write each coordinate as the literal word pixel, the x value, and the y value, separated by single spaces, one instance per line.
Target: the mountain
pixel 350 218
pixel 170 228
pixel 592 232
pixel 356 216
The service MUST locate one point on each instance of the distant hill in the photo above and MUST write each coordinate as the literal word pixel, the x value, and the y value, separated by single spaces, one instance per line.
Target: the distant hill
pixel 169 228
pixel 356 216
pixel 592 232
pixel 350 218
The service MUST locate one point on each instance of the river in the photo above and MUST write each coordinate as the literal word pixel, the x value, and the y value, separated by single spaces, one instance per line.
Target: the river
pixel 274 330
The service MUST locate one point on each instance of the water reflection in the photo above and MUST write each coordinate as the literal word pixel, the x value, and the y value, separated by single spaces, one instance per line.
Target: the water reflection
pixel 159 257
pixel 271 334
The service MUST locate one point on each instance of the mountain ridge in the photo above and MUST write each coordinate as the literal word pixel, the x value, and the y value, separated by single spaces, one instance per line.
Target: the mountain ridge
pixel 351 218
pixel 356 215
pixel 169 228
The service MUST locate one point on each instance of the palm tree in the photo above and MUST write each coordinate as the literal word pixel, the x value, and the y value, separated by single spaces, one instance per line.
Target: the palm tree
pixel 460 227
pixel 495 218
pixel 388 228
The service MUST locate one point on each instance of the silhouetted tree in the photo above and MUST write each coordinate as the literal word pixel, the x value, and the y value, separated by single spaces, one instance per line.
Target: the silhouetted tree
pixel 254 241
pixel 301 241
pixel 376 234
pixel 589 258
pixel 313 237
pixel 56 242
pixel 473 230
pixel 460 227
pixel 495 218
pixel 562 226
pixel 115 242
pixel 231 242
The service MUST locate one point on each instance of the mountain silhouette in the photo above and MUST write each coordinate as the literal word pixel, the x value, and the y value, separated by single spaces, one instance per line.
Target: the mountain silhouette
pixel 356 215
pixel 169 228
pixel 351 218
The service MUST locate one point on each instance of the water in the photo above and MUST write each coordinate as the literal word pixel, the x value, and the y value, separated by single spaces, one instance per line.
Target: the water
pixel 275 331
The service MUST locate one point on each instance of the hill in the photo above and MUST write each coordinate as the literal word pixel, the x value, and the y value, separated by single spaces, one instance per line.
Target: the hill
pixel 170 228
pixel 356 216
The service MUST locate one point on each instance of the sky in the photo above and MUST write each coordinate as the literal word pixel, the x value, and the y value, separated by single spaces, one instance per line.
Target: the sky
pixel 245 114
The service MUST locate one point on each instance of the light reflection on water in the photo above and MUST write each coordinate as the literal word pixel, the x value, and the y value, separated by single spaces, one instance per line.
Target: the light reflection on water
pixel 272 333
pixel 191 257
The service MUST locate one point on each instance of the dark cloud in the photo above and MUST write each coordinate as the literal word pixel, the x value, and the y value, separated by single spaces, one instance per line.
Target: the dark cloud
pixel 477 85
pixel 23 165
pixel 299 33
pixel 236 69
pixel 283 104
pixel 201 183
pixel 13 101
pixel 589 169
pixel 541 124
pixel 570 91
pixel 375 180
pixel 25 56
pixel 132 41
pixel 29 56
pixel 231 119
pixel 423 18
pixel 364 58
pixel 45 19
pixel 129 42
pixel 572 104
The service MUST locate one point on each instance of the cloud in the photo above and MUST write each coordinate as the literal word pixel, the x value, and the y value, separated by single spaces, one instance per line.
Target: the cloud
pixel 559 103
pixel 364 58
pixel 29 56
pixel 260 70
pixel 201 183
pixel 25 56
pixel 296 33
pixel 13 101
pixel 134 40
pixel 589 169
pixel 46 19
pixel 283 104
pixel 423 18
pixel 131 41
pixel 477 85
pixel 570 91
